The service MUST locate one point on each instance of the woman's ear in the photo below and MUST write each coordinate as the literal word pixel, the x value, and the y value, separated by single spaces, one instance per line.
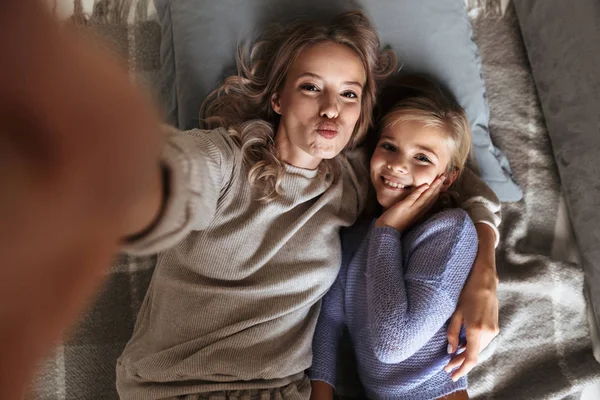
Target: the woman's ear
pixel 450 179
pixel 275 103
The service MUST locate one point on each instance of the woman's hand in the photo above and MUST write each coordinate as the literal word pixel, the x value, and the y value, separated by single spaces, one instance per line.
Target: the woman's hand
pixel 477 307
pixel 321 391
pixel 79 147
pixel 405 213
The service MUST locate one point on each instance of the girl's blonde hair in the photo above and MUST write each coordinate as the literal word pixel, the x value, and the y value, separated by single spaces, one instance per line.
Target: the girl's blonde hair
pixel 420 99
pixel 242 104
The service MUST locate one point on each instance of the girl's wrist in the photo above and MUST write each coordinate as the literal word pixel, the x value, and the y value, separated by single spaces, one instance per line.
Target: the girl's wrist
pixel 380 223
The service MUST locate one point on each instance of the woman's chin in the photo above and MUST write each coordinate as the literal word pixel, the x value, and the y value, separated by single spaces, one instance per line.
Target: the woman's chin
pixel 325 154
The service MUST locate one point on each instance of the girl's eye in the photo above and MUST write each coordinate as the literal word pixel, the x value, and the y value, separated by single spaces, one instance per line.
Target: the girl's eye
pixel 309 87
pixel 388 146
pixel 350 95
pixel 423 158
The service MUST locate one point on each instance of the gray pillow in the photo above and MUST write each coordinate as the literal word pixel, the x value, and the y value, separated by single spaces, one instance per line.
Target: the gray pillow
pixel 432 37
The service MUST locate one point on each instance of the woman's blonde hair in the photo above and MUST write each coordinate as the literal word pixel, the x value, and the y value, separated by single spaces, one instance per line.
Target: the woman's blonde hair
pixel 422 100
pixel 242 104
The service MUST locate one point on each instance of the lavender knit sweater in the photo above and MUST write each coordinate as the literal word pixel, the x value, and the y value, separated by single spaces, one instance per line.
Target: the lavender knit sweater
pixel 395 293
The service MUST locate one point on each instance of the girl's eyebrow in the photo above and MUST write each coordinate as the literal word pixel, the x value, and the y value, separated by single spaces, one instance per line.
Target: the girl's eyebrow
pixel 418 146
pixel 426 149
pixel 311 75
pixel 388 137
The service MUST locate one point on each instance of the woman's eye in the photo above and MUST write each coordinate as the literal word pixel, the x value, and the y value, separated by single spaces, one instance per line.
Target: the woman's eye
pixel 350 95
pixel 309 87
pixel 423 158
pixel 388 147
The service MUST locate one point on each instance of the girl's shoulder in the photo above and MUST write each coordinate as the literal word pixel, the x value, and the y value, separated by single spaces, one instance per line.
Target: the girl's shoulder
pixel 450 221
pixel 454 216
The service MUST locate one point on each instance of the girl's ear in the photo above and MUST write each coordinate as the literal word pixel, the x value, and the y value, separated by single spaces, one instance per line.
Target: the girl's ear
pixel 450 178
pixel 275 103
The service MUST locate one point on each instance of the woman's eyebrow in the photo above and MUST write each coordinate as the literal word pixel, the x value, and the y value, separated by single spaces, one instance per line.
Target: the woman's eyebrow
pixel 309 75
pixel 312 75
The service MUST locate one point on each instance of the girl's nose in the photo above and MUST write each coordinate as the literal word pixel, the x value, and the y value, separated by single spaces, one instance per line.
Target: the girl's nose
pixel 398 165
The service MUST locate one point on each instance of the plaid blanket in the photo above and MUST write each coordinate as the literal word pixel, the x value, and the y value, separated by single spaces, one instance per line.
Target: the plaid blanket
pixel 543 350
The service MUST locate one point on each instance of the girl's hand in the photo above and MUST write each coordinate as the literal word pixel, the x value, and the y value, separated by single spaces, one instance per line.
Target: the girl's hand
pixel 405 213
pixel 477 307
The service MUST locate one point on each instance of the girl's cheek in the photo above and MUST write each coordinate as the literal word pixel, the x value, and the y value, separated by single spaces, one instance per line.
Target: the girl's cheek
pixel 378 159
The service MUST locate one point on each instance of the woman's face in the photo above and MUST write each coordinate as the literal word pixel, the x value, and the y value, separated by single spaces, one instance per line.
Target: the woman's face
pixel 319 104
pixel 407 156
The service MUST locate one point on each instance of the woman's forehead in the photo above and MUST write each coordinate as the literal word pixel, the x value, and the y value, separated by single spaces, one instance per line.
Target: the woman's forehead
pixel 329 61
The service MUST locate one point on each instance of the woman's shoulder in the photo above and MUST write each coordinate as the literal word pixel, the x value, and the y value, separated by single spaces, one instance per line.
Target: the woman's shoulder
pixel 221 138
pixel 354 166
pixel 199 151
pixel 217 145
pixel 354 163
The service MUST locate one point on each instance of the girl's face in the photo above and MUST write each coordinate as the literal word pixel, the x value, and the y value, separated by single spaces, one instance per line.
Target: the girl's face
pixel 407 156
pixel 319 104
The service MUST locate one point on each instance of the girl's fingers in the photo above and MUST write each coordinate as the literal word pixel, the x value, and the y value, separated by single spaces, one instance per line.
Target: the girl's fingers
pixel 428 197
pixel 417 194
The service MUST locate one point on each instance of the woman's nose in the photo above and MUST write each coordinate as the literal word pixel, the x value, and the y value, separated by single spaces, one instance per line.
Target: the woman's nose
pixel 329 106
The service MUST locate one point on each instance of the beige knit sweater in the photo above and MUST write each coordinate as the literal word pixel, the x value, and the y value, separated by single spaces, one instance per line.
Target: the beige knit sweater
pixel 234 298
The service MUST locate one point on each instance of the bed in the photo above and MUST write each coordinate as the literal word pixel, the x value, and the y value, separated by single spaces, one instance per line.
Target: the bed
pixel 544 350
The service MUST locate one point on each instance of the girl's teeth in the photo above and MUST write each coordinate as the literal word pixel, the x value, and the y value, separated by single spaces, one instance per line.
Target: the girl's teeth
pixel 393 184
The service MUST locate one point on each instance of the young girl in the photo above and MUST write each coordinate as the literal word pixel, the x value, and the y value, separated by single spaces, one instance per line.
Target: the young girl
pixel 399 284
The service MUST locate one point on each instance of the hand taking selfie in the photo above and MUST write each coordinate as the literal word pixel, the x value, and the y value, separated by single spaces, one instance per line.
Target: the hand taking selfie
pixel 78 147
pixel 405 213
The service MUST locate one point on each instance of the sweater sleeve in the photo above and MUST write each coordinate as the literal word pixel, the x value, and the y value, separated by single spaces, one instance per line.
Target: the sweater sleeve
pixel 357 173
pixel 411 297
pixel 332 319
pixel 329 330
pixel 479 201
pixel 198 165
